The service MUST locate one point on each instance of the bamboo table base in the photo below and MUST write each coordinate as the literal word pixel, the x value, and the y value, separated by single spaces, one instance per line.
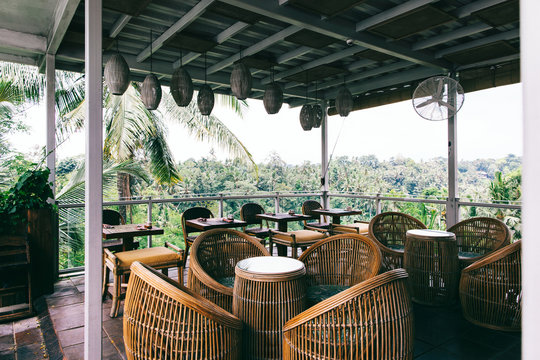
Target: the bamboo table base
pixel 431 259
pixel 268 291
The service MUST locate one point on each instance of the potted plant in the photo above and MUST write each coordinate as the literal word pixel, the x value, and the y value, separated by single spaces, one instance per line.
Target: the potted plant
pixel 25 209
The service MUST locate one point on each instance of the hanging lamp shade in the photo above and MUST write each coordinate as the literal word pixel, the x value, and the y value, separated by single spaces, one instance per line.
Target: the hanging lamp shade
pixel 241 81
pixel 273 98
pixel 151 92
pixel 117 74
pixel 344 102
pixel 306 117
pixel 317 115
pixel 181 87
pixel 205 100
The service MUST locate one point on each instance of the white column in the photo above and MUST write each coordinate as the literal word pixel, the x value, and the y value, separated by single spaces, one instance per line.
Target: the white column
pixel 94 192
pixel 324 154
pixel 530 75
pixel 452 209
pixel 50 117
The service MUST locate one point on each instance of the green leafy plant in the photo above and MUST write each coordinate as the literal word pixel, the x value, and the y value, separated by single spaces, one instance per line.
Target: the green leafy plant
pixel 31 191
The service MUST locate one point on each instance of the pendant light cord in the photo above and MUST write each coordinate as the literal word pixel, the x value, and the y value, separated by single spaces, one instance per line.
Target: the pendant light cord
pixel 151 71
pixel 205 69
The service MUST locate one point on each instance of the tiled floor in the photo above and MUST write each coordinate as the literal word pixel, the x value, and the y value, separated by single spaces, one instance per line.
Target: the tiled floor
pixel 440 333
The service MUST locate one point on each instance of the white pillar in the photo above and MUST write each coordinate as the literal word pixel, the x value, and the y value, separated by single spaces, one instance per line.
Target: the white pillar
pixel 452 209
pixel 530 75
pixel 324 154
pixel 51 117
pixel 94 192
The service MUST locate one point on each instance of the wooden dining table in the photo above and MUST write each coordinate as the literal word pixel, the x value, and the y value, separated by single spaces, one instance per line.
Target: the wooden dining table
pixel 283 220
pixel 214 223
pixel 336 214
pixel 128 232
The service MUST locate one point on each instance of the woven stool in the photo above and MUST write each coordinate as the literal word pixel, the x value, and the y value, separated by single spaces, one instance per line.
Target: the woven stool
pixel 431 259
pixel 119 263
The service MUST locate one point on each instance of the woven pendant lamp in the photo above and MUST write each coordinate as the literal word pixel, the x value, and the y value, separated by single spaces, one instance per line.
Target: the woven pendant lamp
pixel 306 117
pixel 273 98
pixel 151 87
pixel 241 81
pixel 117 74
pixel 151 92
pixel 181 87
pixel 317 115
pixel 344 102
pixel 205 100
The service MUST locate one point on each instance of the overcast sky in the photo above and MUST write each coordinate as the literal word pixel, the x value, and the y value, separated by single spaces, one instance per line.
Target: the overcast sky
pixel 489 126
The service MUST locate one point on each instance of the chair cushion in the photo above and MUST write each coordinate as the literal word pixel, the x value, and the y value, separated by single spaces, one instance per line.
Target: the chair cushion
pixel 317 293
pixel 468 255
pixel 258 231
pixel 301 236
pixel 154 256
pixel 400 248
pixel 226 281
pixel 363 228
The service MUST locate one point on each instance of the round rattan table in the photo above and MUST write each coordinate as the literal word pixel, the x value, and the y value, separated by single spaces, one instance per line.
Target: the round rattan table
pixel 431 259
pixel 268 291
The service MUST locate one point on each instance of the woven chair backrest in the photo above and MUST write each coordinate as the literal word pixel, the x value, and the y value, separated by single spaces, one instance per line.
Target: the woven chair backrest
pixel 390 228
pixel 248 212
pixel 480 235
pixel 217 251
pixel 310 205
pixel 345 259
pixel 164 320
pixel 194 213
pixel 112 217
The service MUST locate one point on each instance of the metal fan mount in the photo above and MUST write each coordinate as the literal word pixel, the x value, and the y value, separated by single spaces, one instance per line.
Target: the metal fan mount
pixel 438 98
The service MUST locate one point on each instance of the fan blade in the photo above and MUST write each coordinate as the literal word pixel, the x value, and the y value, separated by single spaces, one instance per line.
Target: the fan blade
pixel 444 103
pixel 426 103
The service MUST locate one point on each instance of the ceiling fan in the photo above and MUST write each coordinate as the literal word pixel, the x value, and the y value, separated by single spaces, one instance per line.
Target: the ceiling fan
pixel 438 98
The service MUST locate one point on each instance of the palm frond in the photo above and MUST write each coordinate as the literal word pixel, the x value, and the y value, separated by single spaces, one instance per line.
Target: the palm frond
pixel 238 106
pixel 26 78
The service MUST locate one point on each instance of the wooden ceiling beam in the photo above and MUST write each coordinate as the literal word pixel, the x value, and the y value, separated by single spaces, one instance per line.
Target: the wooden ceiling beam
pixel 391 13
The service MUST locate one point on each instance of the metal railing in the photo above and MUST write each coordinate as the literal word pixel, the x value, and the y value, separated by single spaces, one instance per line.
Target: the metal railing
pixel 222 198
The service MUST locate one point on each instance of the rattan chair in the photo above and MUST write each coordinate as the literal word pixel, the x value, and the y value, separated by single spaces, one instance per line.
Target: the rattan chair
pixel 296 239
pixel 113 217
pixel 164 320
pixel 371 320
pixel 248 214
pixel 337 263
pixel 358 227
pixel 389 231
pixel 307 207
pixel 479 236
pixel 162 257
pixel 490 290
pixel 213 259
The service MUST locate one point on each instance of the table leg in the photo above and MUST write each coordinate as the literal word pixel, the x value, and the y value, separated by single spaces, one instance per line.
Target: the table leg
pixel 336 219
pixel 282 249
pixel 127 243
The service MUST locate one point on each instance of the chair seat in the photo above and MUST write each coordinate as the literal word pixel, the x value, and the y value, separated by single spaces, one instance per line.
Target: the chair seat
pixel 399 248
pixel 259 232
pixel 226 281
pixel 317 293
pixel 302 236
pixel 155 256
pixel 468 255
pixel 361 228
pixel 319 225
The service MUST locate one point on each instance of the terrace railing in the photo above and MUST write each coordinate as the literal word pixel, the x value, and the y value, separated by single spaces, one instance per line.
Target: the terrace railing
pixel 165 212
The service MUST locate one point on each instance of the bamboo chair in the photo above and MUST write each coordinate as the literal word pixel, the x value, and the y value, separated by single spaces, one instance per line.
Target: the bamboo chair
pixel 162 257
pixel 337 263
pixel 248 214
pixel 358 227
pixel 478 237
pixel 296 239
pixel 490 290
pixel 389 231
pixel 165 320
pixel 213 259
pixel 190 214
pixel 113 217
pixel 371 320
pixel 307 207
